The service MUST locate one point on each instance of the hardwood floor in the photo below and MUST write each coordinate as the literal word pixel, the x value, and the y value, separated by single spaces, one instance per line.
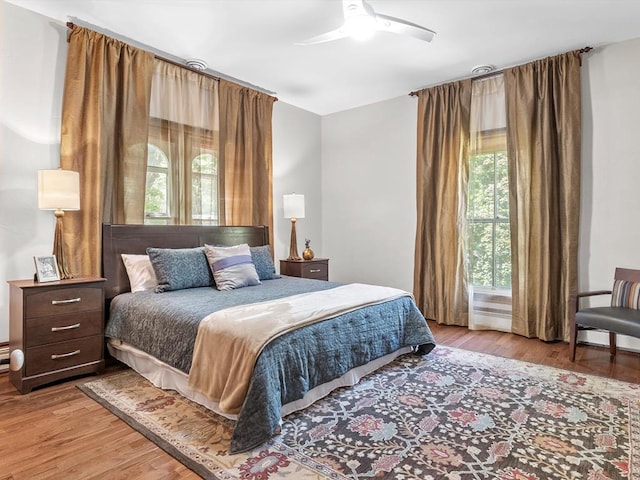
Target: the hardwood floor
pixel 57 432
pixel 593 360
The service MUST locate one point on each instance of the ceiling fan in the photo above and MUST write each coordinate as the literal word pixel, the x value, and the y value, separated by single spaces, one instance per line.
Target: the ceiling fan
pixel 361 22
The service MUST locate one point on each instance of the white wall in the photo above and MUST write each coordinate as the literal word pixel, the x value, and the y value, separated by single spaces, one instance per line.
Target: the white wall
pixel 296 169
pixel 32 63
pixel 609 220
pixel 369 206
pixel 610 226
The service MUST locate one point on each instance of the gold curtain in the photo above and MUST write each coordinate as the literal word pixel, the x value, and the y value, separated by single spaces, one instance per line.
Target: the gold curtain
pixel 246 156
pixel 440 287
pixel 543 132
pixel 185 126
pixel 105 112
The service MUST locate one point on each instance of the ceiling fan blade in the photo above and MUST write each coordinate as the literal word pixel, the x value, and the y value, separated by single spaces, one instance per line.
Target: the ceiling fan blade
pixel 386 23
pixel 325 37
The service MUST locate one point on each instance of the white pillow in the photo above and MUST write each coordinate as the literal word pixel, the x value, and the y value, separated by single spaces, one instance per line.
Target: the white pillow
pixel 140 272
pixel 232 267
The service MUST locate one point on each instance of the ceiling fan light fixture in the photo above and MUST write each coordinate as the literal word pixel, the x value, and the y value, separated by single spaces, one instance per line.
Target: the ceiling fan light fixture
pixel 482 69
pixel 360 27
pixel 361 22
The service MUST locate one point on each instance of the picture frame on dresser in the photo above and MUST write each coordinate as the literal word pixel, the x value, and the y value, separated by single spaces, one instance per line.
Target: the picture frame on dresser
pixel 46 268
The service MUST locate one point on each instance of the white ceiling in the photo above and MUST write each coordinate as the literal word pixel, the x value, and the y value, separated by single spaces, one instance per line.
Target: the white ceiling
pixel 254 40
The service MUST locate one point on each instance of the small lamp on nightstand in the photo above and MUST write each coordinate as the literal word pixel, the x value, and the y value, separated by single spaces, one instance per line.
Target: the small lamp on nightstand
pixel 59 190
pixel 293 209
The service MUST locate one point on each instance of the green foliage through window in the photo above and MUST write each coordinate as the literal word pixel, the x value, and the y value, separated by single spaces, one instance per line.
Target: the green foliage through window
pixel 156 200
pixel 204 189
pixel 488 236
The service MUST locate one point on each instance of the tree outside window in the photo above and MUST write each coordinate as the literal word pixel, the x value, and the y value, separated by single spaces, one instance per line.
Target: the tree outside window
pixel 156 200
pixel 488 235
pixel 204 189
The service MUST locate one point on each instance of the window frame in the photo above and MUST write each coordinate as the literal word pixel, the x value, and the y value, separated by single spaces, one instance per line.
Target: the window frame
pixel 166 218
pixel 194 142
pixel 215 180
pixel 492 142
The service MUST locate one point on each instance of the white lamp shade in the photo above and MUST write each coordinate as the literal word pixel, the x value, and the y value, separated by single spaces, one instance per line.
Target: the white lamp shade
pixel 58 190
pixel 293 206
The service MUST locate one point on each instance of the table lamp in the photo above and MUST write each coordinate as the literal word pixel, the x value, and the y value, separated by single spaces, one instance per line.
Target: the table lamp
pixel 59 190
pixel 293 209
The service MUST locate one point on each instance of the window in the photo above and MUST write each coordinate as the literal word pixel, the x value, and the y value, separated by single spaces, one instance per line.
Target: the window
pixel 182 176
pixel 489 243
pixel 204 189
pixel 156 200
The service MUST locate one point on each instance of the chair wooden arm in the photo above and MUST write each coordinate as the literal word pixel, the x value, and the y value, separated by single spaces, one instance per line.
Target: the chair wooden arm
pixel 573 309
pixel 590 294
pixel 575 297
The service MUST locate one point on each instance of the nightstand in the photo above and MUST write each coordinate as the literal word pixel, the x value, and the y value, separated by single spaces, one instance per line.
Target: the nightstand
pixel 55 330
pixel 318 268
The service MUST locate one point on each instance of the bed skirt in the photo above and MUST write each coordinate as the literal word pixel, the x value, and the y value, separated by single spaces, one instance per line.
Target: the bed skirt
pixel 168 378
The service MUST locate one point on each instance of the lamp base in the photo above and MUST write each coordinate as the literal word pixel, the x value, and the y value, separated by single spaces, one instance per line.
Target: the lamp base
pixel 58 247
pixel 293 243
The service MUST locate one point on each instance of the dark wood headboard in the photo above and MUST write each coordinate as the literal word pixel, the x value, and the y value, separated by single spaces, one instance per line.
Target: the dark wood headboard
pixel 134 239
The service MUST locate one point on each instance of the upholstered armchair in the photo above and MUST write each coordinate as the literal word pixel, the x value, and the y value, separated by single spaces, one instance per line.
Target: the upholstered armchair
pixel 622 316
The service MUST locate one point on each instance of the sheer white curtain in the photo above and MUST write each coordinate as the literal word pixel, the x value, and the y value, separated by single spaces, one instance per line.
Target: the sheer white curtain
pixel 489 298
pixel 184 135
pixel 488 112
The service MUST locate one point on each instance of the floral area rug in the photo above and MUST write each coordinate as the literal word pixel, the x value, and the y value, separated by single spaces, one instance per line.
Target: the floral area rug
pixel 452 414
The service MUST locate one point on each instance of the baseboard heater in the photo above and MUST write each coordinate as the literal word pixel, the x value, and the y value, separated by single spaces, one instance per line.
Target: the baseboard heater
pixel 4 359
pixel 489 309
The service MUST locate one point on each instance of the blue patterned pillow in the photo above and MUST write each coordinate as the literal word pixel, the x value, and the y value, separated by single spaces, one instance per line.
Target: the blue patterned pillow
pixel 263 262
pixel 625 294
pixel 232 267
pixel 179 268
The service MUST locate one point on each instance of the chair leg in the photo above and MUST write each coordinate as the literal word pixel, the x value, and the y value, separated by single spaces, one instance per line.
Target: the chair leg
pixel 573 327
pixel 612 343
pixel 573 338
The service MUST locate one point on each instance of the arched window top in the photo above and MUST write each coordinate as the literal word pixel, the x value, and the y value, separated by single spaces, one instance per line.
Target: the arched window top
pixel 205 163
pixel 157 201
pixel 182 181
pixel 156 157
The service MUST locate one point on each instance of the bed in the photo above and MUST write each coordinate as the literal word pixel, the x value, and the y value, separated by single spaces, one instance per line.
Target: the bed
pixel 157 334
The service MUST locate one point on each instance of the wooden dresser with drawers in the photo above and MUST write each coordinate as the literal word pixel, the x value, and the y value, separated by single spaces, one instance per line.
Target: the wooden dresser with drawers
pixel 55 330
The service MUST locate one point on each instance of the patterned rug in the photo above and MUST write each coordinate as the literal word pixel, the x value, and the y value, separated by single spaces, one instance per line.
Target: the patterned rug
pixel 452 414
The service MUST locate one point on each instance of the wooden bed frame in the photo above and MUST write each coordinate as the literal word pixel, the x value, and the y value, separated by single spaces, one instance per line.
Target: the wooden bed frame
pixel 134 239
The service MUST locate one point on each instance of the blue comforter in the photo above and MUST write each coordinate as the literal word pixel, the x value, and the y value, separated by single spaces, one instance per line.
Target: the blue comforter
pixel 165 325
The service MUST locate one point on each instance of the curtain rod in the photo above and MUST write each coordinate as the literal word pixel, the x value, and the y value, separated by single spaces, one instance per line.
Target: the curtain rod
pixel 498 72
pixel 71 26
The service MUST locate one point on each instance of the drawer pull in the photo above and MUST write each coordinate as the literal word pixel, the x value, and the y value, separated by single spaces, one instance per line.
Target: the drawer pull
pixel 65 355
pixel 67 327
pixel 62 302
pixel 314 270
